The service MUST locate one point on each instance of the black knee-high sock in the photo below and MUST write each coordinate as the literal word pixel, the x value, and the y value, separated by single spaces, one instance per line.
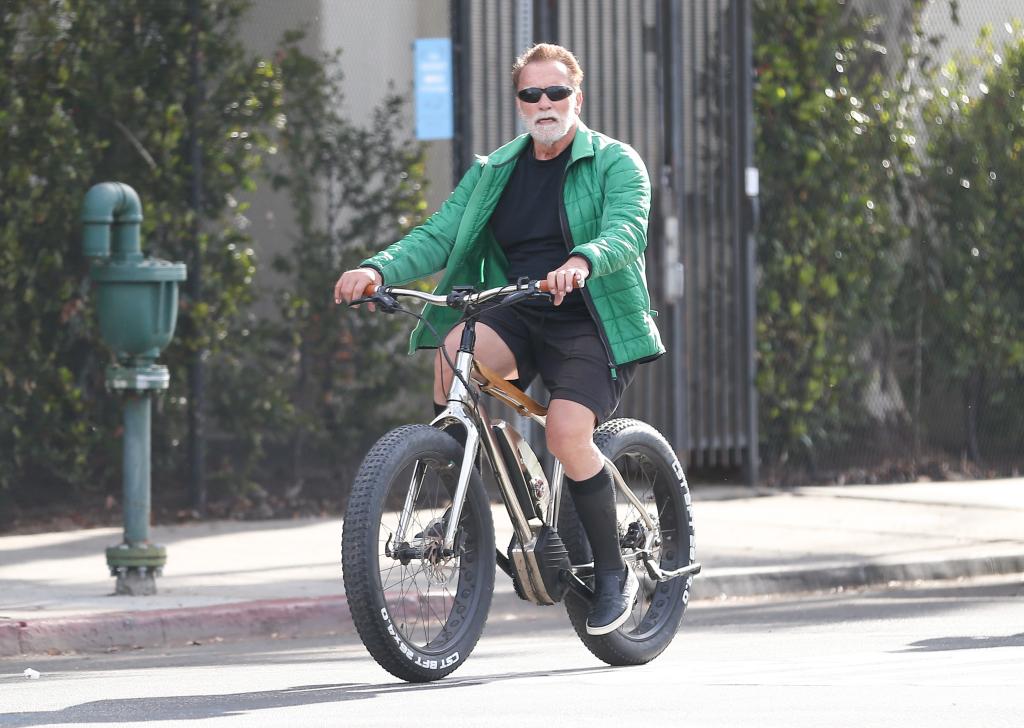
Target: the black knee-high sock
pixel 594 499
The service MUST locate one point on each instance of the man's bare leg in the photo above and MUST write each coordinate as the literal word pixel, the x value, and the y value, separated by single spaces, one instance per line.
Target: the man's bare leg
pixel 490 350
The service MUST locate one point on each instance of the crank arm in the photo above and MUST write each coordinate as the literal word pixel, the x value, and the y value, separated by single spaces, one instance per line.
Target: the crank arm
pixel 656 572
pixel 587 569
pixel 503 562
pixel 578 585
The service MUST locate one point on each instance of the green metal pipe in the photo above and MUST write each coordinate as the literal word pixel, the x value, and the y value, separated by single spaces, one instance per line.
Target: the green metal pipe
pixel 112 204
pixel 136 468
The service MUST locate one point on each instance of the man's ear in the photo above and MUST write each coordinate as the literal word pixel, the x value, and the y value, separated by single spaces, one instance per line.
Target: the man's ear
pixel 579 102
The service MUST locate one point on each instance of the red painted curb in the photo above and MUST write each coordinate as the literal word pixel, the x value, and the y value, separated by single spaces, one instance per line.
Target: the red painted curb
pixel 166 627
pixel 9 643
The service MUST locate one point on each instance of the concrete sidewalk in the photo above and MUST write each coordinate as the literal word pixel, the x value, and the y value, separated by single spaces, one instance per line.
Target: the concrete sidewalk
pixel 234 580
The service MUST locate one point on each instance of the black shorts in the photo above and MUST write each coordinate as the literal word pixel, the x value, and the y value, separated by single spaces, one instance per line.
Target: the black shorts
pixel 566 350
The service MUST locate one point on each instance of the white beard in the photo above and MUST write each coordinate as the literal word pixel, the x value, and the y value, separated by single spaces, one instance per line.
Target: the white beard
pixel 549 133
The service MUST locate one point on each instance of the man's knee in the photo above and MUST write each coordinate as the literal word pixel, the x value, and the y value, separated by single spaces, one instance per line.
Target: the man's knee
pixel 568 437
pixel 558 444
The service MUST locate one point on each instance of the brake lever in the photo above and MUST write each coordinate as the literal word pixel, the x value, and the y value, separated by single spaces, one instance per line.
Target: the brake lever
pixel 529 289
pixel 519 296
pixel 387 302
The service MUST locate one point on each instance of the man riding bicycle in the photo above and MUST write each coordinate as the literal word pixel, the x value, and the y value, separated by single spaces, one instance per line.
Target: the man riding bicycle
pixel 568 205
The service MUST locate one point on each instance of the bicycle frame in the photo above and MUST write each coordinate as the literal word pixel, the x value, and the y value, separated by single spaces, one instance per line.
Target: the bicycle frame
pixel 462 409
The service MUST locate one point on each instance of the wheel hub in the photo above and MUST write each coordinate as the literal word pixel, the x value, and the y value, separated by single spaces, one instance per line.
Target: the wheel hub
pixel 437 565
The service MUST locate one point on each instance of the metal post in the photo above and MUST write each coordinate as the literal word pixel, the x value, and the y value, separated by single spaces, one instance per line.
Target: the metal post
pixel 524 39
pixel 462 141
pixel 137 306
pixel 545 21
pixel 196 372
pixel 672 17
pixel 136 562
pixel 136 467
pixel 524 25
pixel 745 70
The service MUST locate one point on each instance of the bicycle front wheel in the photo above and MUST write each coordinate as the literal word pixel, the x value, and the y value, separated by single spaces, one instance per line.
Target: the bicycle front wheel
pixel 652 472
pixel 418 609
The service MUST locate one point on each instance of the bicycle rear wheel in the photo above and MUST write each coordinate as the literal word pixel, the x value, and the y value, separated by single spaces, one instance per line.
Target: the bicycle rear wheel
pixel 418 610
pixel 651 470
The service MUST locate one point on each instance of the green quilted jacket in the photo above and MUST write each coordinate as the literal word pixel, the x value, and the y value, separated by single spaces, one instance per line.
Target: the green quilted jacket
pixel 606 199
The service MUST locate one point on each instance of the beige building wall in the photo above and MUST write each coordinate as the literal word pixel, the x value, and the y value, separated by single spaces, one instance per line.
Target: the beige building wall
pixel 376 39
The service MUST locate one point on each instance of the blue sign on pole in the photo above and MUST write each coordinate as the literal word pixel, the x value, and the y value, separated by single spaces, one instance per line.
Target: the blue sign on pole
pixel 433 83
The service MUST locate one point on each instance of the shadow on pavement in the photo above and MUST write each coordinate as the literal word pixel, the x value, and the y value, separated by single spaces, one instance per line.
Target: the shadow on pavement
pixel 198 707
pixel 943 644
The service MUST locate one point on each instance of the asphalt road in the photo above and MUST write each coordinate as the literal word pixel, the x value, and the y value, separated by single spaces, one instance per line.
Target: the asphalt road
pixel 933 655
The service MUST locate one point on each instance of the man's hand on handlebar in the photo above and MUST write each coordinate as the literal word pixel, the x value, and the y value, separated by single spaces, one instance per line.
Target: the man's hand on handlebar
pixel 572 274
pixel 353 284
pixel 358 285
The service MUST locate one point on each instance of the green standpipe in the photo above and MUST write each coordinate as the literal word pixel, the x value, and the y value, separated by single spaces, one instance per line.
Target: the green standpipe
pixel 137 306
pixel 136 467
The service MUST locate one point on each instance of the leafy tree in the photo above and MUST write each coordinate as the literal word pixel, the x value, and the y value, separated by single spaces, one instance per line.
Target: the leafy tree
pixel 828 140
pixel 355 190
pixel 99 90
pixel 974 179
pixel 92 91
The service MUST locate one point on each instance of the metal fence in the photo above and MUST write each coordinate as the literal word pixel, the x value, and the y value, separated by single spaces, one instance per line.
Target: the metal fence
pixel 672 79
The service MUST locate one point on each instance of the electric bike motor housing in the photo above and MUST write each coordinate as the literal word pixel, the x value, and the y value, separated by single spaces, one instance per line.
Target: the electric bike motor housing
pixel 533 493
pixel 552 558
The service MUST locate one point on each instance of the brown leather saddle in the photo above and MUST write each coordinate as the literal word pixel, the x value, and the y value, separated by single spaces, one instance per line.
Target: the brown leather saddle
pixel 497 386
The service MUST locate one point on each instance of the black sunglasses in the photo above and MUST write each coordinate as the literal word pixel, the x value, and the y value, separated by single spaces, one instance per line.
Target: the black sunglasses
pixel 554 93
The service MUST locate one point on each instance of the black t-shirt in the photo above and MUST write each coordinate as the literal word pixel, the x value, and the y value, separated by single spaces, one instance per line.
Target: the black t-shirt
pixel 526 222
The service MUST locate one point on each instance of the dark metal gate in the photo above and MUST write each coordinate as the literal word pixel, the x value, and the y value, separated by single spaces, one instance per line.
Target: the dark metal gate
pixel 671 78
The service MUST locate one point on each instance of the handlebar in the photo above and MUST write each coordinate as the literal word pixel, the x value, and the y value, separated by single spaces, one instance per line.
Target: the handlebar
pixel 455 299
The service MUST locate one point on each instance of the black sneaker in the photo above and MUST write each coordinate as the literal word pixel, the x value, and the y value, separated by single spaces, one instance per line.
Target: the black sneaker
pixel 614 595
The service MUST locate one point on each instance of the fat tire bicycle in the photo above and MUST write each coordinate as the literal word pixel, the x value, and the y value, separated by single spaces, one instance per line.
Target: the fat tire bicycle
pixel 418 544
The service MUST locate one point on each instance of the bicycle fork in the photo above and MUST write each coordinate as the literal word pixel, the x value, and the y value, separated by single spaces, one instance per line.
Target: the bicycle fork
pixel 456 412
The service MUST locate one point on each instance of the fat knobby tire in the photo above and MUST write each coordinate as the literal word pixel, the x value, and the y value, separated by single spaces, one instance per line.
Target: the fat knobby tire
pixel 628 645
pixel 389 458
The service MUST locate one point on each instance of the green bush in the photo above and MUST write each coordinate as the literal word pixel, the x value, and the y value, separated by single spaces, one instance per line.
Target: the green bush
pixel 355 190
pixel 827 145
pixel 94 91
pixel 974 183
pixel 100 90
pixel 890 237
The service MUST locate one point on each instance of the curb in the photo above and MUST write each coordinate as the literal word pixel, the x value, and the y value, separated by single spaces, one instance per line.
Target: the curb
pixel 769 581
pixel 174 627
pixel 319 616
